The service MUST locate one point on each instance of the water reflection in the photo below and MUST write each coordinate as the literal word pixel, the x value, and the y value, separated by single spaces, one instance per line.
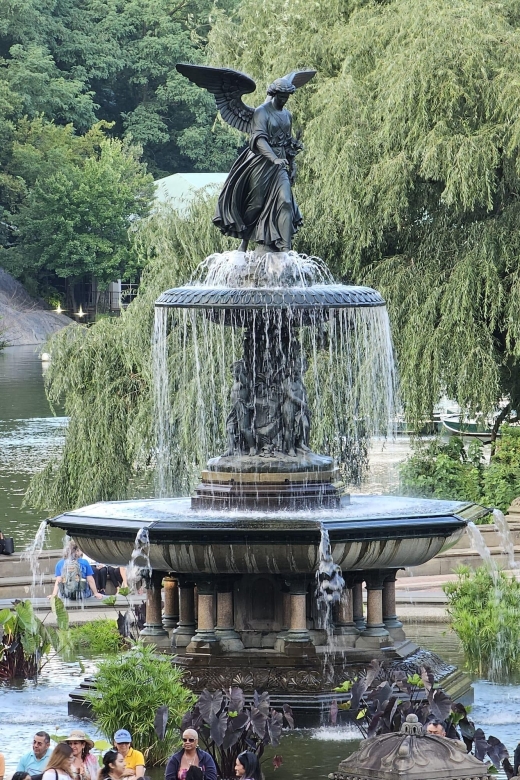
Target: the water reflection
pixel 29 436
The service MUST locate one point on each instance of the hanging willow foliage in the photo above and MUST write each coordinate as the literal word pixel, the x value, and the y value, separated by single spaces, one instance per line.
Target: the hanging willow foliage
pixel 410 177
pixel 103 374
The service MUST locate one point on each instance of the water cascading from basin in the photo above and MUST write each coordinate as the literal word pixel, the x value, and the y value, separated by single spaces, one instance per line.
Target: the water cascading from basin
pixel 344 357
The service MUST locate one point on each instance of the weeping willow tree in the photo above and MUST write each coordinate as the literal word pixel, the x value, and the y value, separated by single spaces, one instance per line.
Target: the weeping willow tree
pixel 410 178
pixel 103 375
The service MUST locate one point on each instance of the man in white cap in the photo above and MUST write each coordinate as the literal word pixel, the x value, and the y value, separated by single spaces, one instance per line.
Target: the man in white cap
pixel 134 759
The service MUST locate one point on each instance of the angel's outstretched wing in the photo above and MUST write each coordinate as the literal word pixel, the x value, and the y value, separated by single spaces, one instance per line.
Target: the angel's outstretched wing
pixel 300 77
pixel 227 86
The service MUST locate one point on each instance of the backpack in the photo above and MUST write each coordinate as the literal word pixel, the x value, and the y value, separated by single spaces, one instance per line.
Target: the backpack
pixel 71 584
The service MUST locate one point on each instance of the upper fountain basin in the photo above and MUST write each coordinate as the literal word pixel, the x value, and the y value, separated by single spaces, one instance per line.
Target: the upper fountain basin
pixel 256 280
pixel 370 532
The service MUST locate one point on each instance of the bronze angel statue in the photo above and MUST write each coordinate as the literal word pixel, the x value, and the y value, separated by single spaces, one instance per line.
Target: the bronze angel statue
pixel 256 203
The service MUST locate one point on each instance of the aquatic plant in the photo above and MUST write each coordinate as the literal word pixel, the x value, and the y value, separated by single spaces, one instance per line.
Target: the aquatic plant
pixel 484 611
pixel 96 637
pixel 130 689
pixel 25 640
pixel 227 726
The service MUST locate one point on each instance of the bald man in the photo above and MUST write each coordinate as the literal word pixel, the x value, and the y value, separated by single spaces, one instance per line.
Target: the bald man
pixel 190 755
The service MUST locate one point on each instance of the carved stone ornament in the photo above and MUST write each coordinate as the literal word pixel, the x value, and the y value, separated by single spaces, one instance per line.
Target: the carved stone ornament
pixel 410 754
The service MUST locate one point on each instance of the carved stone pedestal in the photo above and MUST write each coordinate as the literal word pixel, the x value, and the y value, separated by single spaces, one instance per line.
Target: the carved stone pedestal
pixel 153 626
pixel 392 624
pixel 182 635
pixel 374 636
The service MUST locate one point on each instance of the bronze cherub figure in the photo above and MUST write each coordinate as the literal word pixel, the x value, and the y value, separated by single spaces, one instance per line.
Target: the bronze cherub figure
pixel 256 202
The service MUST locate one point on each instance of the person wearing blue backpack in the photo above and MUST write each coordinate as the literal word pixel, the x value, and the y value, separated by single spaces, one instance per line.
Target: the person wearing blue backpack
pixel 74 576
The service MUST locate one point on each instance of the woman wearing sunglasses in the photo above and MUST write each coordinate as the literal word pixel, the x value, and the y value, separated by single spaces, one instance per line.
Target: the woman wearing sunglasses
pixel 190 755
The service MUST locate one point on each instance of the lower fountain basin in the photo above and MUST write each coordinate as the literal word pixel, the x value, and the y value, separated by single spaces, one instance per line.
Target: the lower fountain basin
pixel 366 532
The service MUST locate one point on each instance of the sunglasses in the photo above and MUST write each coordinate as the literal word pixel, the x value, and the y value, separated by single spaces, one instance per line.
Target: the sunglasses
pixel 188 739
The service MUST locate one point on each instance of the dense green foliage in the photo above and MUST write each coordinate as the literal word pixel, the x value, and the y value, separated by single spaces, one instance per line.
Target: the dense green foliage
pixel 82 194
pixel 484 609
pixel 410 178
pixel 129 690
pixel 438 469
pixel 69 71
pixel 25 640
pixel 96 637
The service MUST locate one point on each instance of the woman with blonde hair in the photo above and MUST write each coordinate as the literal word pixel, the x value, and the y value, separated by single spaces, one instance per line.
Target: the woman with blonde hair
pixel 59 766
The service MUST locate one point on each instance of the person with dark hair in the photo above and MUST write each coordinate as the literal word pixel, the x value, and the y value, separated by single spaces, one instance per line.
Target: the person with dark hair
pixel 190 755
pixel 21 776
pixel 247 766
pixel 436 727
pixel 194 773
pixel 113 766
pixel 35 761
pixel 59 766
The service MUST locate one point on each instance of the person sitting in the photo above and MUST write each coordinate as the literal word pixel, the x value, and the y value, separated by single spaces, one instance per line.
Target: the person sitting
pixel 190 755
pixel 60 763
pixel 247 766
pixel 113 766
pixel 35 761
pixel 114 574
pixel 134 759
pixel 84 764
pixel 74 576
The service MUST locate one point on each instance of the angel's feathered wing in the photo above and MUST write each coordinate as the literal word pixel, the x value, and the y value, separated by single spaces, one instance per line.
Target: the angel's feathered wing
pixel 227 86
pixel 300 77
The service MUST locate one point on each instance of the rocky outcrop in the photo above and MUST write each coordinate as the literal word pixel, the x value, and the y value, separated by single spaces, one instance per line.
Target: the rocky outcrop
pixel 22 319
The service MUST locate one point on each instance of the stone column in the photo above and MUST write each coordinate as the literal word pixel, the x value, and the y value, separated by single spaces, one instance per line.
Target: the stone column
pixel 182 635
pixel 357 602
pixel 171 602
pixel 297 640
pixel 204 640
pixel 392 624
pixel 375 634
pixel 153 626
pixel 225 631
pixel 345 630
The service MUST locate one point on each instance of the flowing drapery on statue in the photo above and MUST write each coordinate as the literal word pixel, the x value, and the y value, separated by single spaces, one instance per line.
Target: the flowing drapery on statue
pixel 256 203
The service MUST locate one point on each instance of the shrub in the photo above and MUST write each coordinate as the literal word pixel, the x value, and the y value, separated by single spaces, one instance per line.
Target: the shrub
pixel 484 609
pixel 129 690
pixel 97 637
pixel 439 469
pixel 227 725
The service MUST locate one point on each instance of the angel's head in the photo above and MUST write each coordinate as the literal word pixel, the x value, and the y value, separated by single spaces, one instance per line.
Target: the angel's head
pixel 283 86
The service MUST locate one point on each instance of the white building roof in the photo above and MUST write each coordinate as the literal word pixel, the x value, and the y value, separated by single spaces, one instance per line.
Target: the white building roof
pixel 180 188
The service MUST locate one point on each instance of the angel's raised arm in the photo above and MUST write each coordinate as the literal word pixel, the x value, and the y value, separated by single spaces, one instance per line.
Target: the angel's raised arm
pixel 227 86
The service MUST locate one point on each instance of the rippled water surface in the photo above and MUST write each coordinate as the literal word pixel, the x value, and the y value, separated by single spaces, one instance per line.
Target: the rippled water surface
pixel 29 437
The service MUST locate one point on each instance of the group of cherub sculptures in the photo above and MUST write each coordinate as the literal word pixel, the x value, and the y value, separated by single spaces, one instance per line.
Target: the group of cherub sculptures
pixel 269 413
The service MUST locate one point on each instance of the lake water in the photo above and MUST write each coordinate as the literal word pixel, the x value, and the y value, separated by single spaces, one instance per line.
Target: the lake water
pixel 30 435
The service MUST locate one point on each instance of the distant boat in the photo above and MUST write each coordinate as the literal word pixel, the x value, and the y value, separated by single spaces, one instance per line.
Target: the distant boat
pixel 477 429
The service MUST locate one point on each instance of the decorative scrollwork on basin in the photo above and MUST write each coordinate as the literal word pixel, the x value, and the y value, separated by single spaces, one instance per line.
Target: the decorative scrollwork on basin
pixel 335 296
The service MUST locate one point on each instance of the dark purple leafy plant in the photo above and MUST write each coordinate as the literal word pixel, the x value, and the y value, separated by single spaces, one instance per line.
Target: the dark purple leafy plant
pixel 227 725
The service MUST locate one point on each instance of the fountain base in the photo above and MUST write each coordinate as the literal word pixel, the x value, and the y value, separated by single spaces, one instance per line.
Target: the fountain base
pixel 271 481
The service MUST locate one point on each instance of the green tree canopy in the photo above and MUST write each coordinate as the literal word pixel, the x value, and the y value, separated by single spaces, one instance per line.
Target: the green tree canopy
pixel 84 192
